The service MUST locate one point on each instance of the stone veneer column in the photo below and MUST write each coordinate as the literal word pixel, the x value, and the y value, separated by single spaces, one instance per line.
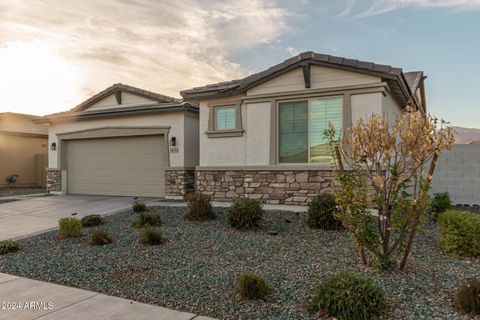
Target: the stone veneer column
pixel 54 180
pixel 270 186
pixel 179 182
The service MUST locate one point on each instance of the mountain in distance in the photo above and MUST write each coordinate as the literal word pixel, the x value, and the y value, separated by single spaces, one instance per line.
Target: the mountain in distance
pixel 466 135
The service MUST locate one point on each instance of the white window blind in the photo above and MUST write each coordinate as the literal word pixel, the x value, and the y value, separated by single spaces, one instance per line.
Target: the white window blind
pixel 225 118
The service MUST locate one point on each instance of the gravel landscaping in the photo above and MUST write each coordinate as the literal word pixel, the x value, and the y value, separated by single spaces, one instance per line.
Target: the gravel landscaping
pixel 20 191
pixel 195 269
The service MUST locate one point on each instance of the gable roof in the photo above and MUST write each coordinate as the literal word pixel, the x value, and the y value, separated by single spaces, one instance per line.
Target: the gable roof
pixel 164 104
pixel 394 76
pixel 414 79
pixel 123 87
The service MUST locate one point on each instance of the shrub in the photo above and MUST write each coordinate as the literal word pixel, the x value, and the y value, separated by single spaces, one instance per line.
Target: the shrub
pixel 100 238
pixel 152 236
pixel 92 220
pixel 8 246
pixel 146 219
pixel 245 214
pixel 139 206
pixel 346 295
pixel 321 213
pixel 199 207
pixel 460 233
pixel 70 227
pixel 251 286
pixel 440 203
pixel 468 298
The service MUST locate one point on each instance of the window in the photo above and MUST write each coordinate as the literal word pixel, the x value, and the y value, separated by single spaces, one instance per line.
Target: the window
pixel 301 127
pixel 225 118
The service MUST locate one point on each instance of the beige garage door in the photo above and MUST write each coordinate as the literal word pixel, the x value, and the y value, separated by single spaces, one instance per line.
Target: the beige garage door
pixel 124 166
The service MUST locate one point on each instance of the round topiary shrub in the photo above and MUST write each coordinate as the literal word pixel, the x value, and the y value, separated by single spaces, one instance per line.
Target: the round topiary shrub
pixel 92 220
pixel 199 207
pixel 245 214
pixel 100 238
pixel 70 227
pixel 321 213
pixel 348 296
pixel 252 286
pixel 147 219
pixel 468 298
pixel 139 206
pixel 152 236
pixel 8 246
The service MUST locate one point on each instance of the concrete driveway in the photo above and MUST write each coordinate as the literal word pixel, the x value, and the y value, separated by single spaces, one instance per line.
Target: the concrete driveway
pixel 23 218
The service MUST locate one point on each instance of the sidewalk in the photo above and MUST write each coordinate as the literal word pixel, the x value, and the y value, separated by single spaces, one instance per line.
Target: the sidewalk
pixel 46 301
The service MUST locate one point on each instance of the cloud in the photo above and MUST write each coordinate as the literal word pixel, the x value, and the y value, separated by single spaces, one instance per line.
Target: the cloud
pixel 364 9
pixel 164 46
pixel 293 51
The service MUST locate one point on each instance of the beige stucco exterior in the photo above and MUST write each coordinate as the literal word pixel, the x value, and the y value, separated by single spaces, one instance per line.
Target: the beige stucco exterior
pixel 362 94
pixel 136 143
pixel 23 149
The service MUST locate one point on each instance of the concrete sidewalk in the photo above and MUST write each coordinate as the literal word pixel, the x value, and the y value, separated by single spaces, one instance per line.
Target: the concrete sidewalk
pixel 24 218
pixel 41 300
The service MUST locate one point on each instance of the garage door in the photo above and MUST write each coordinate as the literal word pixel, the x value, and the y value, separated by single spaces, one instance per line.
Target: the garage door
pixel 124 166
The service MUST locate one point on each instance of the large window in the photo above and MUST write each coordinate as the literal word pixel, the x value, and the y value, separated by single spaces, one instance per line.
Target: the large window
pixel 301 127
pixel 225 118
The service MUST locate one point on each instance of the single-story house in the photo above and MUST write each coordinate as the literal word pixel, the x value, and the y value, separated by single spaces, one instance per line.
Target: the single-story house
pixel 261 136
pixel 123 141
pixel 23 150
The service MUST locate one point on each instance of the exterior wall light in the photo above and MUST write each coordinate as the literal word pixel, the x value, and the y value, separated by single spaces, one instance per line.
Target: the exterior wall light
pixel 53 146
pixel 173 141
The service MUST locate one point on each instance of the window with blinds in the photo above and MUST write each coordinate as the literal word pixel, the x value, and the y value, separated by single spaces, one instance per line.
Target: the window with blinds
pixel 301 127
pixel 225 118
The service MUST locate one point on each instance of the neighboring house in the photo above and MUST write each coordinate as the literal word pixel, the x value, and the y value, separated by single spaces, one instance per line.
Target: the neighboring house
pixel 262 136
pixel 123 141
pixel 23 150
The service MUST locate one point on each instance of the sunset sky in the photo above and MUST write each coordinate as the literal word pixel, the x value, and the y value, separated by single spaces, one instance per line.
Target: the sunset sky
pixel 54 54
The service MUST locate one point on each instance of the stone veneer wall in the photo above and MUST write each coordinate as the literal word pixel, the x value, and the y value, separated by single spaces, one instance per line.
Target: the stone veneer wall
pixel 270 186
pixel 179 181
pixel 54 180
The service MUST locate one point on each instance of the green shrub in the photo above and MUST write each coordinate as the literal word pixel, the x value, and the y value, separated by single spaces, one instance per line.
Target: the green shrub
pixel 70 227
pixel 100 238
pixel 321 213
pixel 245 214
pixel 440 203
pixel 92 220
pixel 251 286
pixel 346 295
pixel 199 207
pixel 8 246
pixel 147 219
pixel 152 236
pixel 460 233
pixel 468 298
pixel 139 206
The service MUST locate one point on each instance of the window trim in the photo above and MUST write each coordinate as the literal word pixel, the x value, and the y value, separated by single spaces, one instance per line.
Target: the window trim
pixel 212 132
pixel 309 103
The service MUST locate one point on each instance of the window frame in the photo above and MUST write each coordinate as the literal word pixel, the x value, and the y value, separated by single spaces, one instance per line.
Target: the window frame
pixel 216 109
pixel 309 106
pixel 212 132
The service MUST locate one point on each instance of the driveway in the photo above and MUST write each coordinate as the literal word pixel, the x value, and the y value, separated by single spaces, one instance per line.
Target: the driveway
pixel 23 218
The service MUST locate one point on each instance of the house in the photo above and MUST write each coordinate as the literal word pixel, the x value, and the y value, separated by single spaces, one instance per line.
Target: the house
pixel 261 136
pixel 23 150
pixel 123 141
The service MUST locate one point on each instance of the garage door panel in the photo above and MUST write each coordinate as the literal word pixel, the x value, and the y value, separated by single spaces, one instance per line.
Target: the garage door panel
pixel 126 166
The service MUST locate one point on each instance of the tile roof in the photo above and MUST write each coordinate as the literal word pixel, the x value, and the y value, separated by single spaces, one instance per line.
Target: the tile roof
pixel 390 73
pixel 413 79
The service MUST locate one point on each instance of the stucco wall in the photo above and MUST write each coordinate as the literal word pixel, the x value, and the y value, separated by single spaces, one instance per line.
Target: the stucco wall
pixel 21 123
pixel 321 78
pixel 127 100
pixel 18 156
pixel 458 173
pixel 391 108
pixel 257 130
pixel 175 120
pixel 364 105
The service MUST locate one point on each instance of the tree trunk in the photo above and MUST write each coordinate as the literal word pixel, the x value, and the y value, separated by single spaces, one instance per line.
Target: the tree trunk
pixel 411 236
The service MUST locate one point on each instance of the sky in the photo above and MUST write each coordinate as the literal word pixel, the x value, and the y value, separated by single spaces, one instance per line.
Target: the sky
pixel 55 54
